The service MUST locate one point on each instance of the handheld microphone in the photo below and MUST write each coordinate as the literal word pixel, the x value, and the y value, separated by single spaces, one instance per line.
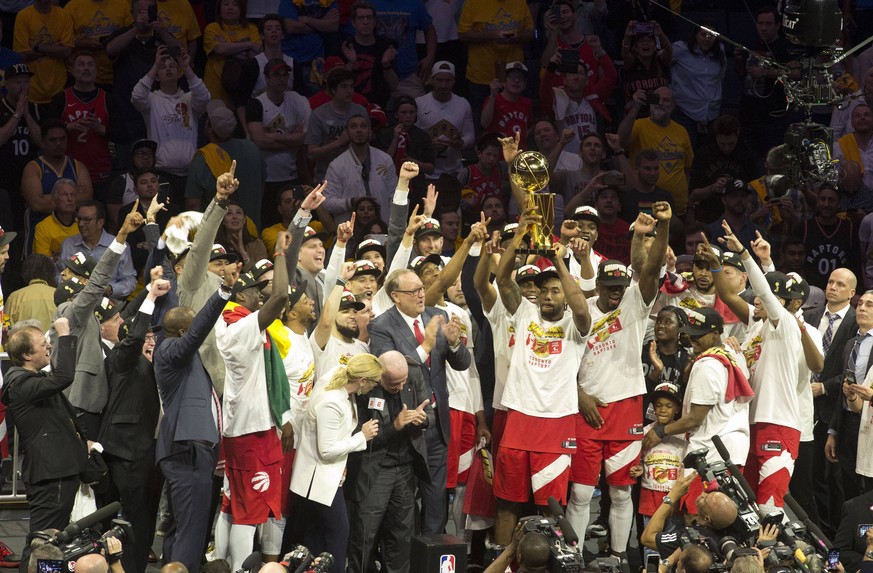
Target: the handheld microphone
pixel 75 528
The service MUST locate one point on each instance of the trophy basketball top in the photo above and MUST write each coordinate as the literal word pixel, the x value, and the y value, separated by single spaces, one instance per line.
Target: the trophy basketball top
pixel 529 171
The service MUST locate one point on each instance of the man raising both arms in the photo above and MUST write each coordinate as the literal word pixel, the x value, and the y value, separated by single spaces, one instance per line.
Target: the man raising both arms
pixel 612 383
pixel 540 393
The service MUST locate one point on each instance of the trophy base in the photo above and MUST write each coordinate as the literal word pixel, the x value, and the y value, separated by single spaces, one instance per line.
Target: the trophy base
pixel 541 251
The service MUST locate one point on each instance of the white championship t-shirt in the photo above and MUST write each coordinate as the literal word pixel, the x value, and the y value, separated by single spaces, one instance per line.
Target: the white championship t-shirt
pixel 503 339
pixel 545 359
pixel 611 366
pixel 465 388
pixel 336 353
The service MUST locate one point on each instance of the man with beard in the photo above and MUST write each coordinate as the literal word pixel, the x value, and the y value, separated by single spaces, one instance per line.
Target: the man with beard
pixel 772 349
pixel 612 384
pixel 335 338
pixel 540 431
pixel 254 402
pixel 716 403
pixel 502 331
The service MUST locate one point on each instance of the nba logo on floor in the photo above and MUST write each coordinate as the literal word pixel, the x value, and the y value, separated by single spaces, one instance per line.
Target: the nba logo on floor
pixel 447 564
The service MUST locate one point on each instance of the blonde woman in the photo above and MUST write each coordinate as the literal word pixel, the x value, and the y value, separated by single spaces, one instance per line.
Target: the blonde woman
pixel 326 440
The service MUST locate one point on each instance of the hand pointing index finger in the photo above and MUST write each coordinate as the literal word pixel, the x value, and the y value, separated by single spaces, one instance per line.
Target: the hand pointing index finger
pixel 232 168
pixel 422 406
pixel 135 206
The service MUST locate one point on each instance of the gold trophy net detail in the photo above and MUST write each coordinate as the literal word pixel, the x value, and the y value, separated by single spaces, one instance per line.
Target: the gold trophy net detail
pixel 529 171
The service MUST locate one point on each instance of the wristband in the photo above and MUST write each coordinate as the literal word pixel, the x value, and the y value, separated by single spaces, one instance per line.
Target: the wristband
pixel 852 399
pixel 659 430
pixel 279 254
pixel 745 250
pixel 342 283
pixel 718 270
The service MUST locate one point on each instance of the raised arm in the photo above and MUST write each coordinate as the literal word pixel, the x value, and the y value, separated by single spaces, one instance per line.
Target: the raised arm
pixel 197 260
pixel 344 232
pixel 278 299
pixel 572 292
pixel 507 288
pixel 63 369
pixel 482 276
pixel 733 301
pixel 759 283
pixel 453 268
pixel 651 271
pixel 324 327
pixel 298 226
pixel 399 208
pixel 180 353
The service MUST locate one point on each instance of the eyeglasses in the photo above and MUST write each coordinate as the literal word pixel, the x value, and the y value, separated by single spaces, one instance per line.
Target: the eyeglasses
pixel 414 292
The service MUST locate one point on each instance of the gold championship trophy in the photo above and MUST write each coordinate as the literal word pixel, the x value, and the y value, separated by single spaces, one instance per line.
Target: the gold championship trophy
pixel 529 171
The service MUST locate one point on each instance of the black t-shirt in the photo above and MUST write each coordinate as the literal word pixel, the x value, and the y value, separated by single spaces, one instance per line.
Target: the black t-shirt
pixel 19 150
pixel 369 77
pixel 667 543
pixel 634 202
pixel 674 373
pixel 131 65
pixel 710 164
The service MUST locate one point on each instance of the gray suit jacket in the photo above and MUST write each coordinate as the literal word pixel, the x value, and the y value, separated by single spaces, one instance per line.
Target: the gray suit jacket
pixel 389 331
pixel 89 390
pixel 197 284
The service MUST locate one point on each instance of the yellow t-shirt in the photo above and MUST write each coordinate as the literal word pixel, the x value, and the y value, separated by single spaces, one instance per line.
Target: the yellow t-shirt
pixel 32 28
pixel 49 234
pixel 98 19
pixel 676 156
pixel 216 34
pixel 178 18
pixel 493 15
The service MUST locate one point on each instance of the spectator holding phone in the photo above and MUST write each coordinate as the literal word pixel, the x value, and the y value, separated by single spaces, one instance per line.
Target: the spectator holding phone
pixel 646 54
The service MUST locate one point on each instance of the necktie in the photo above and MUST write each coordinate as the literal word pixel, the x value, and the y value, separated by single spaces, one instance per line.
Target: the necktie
pixel 850 366
pixel 419 336
pixel 829 333
pixel 827 339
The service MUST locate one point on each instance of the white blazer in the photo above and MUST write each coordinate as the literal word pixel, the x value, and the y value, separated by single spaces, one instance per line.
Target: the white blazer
pixel 325 442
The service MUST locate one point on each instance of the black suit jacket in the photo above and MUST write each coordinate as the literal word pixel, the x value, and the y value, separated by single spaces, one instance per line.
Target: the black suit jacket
pixel 363 466
pixel 131 415
pixel 837 417
pixel 856 512
pixel 389 331
pixel 45 419
pixel 834 362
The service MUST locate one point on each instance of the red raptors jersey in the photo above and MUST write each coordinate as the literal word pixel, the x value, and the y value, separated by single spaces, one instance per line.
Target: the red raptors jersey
pixel 510 118
pixel 485 185
pixel 89 147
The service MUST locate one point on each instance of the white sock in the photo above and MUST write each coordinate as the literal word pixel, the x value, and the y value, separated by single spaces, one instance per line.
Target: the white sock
pixel 222 534
pixel 621 517
pixel 271 536
pixel 578 509
pixel 242 542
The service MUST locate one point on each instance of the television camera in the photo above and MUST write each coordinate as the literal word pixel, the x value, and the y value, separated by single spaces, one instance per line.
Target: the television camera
pixel 565 552
pixel 815 27
pixel 85 536
pixel 801 546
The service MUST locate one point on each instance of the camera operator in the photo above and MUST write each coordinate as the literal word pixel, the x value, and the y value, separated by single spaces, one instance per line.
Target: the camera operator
pixel 43 549
pixel 715 511
pixel 690 559
pixel 530 550
pixel 97 563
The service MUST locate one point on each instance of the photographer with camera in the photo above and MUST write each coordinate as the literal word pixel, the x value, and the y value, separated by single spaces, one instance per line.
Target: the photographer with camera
pixel 530 550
